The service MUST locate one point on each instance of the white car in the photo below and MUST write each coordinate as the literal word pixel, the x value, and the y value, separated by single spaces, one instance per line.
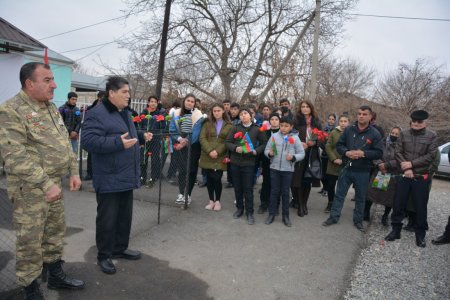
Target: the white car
pixel 444 165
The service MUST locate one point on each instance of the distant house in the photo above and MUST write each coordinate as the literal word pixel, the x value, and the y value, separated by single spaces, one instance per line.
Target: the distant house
pixel 18 48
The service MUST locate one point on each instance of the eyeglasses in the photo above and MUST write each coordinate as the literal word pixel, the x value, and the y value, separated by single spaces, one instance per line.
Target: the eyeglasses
pixel 417 121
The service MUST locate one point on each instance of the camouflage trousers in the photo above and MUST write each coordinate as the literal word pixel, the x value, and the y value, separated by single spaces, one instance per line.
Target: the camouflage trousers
pixel 40 229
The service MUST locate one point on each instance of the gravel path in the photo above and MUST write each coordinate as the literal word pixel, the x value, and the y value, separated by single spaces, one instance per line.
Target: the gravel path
pixel 400 269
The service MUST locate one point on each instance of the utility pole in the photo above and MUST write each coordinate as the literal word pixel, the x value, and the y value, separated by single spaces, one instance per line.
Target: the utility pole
pixel 162 52
pixel 315 58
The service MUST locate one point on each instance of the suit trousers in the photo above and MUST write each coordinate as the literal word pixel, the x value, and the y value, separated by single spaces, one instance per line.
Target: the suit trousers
pixel 113 223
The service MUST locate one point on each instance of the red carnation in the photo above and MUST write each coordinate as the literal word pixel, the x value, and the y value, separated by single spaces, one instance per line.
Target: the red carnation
pixel 142 117
pixel 238 135
pixel 368 142
pixel 136 119
pixel 425 177
pixel 291 140
pixel 149 153
pixel 160 118
pixel 176 147
pixel 226 160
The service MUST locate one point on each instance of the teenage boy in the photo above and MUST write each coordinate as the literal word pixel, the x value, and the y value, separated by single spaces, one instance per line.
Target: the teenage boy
pixel 265 165
pixel 284 149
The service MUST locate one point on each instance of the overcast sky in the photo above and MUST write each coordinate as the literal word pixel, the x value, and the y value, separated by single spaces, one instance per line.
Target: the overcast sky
pixel 377 42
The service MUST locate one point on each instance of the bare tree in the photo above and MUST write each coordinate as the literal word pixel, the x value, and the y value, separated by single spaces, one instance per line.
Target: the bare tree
pixel 221 48
pixel 337 76
pixel 411 86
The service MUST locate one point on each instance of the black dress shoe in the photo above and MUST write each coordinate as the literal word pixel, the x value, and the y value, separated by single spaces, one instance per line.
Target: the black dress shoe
pixel 250 219
pixel 360 227
pixel 128 254
pixel 420 242
pixel 270 219
pixel 238 213
pixel 107 266
pixel 441 240
pixel 286 221
pixel 392 236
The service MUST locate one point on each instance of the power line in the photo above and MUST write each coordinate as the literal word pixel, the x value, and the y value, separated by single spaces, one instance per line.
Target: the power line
pixel 398 17
pixel 91 25
pixel 88 47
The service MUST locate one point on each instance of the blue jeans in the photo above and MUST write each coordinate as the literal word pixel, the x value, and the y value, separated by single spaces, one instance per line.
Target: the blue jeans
pixel 243 186
pixel 360 179
pixel 280 183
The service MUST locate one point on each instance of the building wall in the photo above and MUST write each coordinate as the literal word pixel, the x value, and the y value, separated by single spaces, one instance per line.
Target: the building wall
pixel 10 64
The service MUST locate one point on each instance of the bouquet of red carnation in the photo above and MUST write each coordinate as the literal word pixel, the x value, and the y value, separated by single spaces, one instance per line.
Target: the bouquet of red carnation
pixel 318 135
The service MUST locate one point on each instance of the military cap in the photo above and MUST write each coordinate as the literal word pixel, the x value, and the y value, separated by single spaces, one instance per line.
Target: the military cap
pixel 419 115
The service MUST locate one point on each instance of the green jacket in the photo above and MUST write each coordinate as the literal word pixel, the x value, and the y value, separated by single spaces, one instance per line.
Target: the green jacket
pixel 209 141
pixel 330 148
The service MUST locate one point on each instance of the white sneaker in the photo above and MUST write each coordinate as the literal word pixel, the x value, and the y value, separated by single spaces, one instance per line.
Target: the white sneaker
pixel 180 199
pixel 189 200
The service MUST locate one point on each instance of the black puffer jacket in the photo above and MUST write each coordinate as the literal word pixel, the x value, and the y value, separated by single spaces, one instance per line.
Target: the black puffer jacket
pixel 419 147
pixel 258 139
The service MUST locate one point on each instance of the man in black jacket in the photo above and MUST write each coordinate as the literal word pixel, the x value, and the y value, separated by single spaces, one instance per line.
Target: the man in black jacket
pixel 415 152
pixel 72 118
pixel 359 145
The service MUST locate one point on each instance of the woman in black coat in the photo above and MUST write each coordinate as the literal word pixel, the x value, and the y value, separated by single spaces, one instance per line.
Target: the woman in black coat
pixel 305 121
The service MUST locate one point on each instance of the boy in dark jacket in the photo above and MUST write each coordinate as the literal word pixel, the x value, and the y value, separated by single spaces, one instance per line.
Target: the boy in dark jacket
pixel 243 154
pixel 72 118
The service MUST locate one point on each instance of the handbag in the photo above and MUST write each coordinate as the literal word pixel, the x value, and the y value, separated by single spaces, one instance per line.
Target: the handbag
pixel 314 168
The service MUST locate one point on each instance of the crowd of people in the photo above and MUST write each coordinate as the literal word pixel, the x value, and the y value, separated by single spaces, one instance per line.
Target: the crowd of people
pixel 291 148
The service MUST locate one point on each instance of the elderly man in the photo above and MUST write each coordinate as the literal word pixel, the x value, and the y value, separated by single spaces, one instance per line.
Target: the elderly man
pixel 415 153
pixel 37 153
pixel 109 134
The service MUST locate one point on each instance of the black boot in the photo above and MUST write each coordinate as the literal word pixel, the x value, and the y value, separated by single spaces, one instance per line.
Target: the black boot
pixel 393 235
pixel 301 208
pixel 33 291
pixel 57 279
pixel 328 208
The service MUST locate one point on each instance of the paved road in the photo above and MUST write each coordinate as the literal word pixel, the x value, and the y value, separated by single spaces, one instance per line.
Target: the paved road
pixel 198 254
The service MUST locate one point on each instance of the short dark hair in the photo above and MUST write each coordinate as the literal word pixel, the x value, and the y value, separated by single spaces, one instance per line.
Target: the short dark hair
pixel 152 97
pixel 71 95
pixel 235 104
pixel 266 105
pixel 100 94
pixel 115 83
pixel 286 119
pixel 27 71
pixel 365 107
pixel 226 101
pixel 283 100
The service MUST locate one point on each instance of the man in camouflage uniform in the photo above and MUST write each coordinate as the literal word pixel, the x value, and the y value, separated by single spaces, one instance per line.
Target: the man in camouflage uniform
pixel 37 153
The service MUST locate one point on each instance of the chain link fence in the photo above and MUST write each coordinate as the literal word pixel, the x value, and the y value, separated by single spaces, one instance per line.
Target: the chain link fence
pixel 166 173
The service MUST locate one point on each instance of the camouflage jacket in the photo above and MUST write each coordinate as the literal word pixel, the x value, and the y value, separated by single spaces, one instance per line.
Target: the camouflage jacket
pixel 34 143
